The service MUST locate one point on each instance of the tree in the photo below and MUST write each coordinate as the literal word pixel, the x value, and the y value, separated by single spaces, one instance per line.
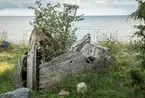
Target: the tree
pixel 54 23
pixel 140 14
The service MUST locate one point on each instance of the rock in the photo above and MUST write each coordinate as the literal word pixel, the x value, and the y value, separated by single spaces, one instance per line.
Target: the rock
pixel 63 93
pixel 4 44
pixel 82 88
pixel 19 93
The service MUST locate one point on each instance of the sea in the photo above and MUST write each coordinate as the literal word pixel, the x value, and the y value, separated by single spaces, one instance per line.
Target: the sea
pixel 18 28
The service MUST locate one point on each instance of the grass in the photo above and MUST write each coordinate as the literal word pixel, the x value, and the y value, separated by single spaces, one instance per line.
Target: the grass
pixel 112 82
pixel 8 59
pixel 99 86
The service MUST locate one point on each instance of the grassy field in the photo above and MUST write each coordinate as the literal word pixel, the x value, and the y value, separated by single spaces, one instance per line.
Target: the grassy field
pixel 112 82
pixel 8 60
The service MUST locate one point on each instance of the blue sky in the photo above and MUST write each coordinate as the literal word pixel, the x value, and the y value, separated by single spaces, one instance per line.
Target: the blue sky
pixel 87 7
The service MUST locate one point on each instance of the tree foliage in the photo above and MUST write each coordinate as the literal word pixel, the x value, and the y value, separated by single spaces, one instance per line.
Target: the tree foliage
pixel 140 14
pixel 54 23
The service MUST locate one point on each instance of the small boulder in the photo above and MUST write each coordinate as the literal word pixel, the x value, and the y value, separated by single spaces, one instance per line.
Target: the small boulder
pixel 19 93
pixel 63 93
pixel 82 88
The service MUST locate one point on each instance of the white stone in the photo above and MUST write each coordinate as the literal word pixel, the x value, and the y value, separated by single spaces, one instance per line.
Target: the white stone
pixel 81 88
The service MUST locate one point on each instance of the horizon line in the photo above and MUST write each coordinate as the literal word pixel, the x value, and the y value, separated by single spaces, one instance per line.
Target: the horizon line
pixel 77 15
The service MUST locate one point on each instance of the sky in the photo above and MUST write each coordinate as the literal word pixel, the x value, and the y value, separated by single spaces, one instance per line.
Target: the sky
pixel 86 7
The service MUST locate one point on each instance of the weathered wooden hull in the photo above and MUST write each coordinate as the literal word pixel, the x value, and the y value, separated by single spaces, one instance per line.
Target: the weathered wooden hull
pixel 46 75
pixel 89 57
pixel 19 72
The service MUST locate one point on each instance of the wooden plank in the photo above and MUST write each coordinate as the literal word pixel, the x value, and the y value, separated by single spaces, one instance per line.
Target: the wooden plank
pixel 34 69
pixel 18 73
pixel 31 68
pixel 31 62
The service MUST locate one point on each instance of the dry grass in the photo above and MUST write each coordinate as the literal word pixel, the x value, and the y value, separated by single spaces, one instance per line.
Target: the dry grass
pixel 5 66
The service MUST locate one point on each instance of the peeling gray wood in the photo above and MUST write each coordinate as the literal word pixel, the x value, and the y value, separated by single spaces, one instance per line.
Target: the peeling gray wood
pixel 82 57
pixel 53 72
pixel 18 73
pixel 34 44
pixel 31 63
pixel 77 46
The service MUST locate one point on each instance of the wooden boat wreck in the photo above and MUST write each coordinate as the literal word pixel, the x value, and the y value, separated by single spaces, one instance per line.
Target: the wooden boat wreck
pixel 37 71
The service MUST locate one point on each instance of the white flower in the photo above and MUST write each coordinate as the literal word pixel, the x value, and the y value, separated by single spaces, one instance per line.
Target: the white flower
pixel 82 88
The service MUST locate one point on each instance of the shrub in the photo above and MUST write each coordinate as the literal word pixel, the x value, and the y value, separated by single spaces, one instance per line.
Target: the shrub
pixel 55 23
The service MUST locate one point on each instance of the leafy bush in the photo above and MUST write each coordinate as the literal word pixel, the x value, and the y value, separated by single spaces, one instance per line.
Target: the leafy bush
pixel 56 24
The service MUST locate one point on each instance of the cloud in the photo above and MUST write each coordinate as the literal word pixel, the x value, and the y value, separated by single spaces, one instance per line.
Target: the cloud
pixel 4 4
pixel 104 7
pixel 87 7
pixel 16 12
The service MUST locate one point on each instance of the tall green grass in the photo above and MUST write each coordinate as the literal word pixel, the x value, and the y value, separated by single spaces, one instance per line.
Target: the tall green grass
pixel 6 80
pixel 8 59
pixel 112 82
